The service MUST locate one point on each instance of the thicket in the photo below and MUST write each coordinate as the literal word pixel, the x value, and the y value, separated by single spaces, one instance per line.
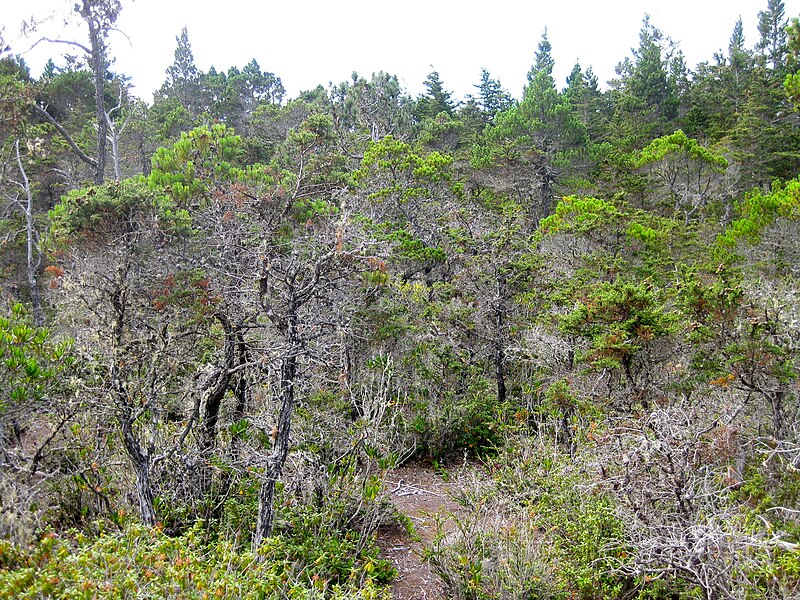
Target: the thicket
pixel 218 344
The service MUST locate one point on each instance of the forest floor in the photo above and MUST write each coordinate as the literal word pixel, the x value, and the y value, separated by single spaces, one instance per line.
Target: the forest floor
pixel 422 494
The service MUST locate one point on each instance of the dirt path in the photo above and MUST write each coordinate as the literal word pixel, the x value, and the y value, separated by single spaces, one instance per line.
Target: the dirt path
pixel 422 495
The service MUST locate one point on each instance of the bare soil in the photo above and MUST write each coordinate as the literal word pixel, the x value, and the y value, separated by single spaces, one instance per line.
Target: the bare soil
pixel 423 495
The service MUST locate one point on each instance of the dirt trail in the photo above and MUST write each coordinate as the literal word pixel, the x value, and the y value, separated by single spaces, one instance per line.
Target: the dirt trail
pixel 422 495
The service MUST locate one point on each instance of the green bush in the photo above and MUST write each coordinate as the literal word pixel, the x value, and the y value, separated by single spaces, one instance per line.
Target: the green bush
pixel 537 529
pixel 139 562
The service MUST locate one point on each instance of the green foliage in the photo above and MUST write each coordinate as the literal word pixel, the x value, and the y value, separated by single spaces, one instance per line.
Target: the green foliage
pixel 404 244
pixel 115 208
pixel 492 98
pixel 618 319
pixel 16 94
pixel 645 99
pixel 710 299
pixel 678 143
pixel 232 97
pixel 449 427
pixel 437 100
pixel 655 287
pixel 586 535
pixel 579 215
pixel 145 562
pixel 197 162
pixel 31 362
pixel 560 402
pixel 791 84
pixel 167 119
pixel 397 160
pixel 543 122
pixel 759 210
pixel 441 132
pixel 617 238
pixel 405 187
pixel 564 540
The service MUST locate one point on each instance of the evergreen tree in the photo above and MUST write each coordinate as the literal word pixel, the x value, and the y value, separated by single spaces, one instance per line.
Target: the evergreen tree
pixel 541 101
pixel 184 79
pixel 543 63
pixel 233 97
pixel 645 100
pixel 772 25
pixel 492 98
pixel 649 82
pixel 586 99
pixel 791 84
pixel 679 83
pixel 542 135
pixel 437 100
pixel 738 60
pixel 719 89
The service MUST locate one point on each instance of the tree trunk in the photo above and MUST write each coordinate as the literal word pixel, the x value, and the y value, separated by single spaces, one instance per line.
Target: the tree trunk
pixel 499 339
pixel 280 450
pixel 778 415
pixel 98 60
pixel 38 313
pixel 218 387
pixel 282 431
pixel 141 467
pixel 240 389
pixel 115 155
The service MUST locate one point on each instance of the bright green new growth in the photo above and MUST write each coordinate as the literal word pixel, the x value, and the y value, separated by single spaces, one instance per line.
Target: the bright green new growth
pixel 579 215
pixel 30 361
pixel 678 143
pixel 760 210
pixel 196 162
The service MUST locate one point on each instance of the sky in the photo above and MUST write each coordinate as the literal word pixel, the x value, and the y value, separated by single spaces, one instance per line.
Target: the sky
pixel 312 42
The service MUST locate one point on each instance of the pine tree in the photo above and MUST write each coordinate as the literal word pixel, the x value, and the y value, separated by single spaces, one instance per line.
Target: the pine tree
pixel 739 64
pixel 586 99
pixel 542 135
pixel 649 82
pixel 492 98
pixel 772 25
pixel 541 100
pixel 184 79
pixel 437 100
pixel 540 76
pixel 646 104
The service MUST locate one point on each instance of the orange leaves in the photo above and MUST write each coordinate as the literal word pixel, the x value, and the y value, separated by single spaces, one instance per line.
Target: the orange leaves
pixel 723 381
pixel 54 270
pixel 339 239
pixel 56 273
pixel 187 289
pixel 377 264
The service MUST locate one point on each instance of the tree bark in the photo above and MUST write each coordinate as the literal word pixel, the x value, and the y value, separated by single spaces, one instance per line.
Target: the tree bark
pixel 98 64
pixel 115 155
pixel 30 232
pixel 240 389
pixel 67 137
pixel 282 431
pixel 280 451
pixel 219 387
pixel 499 341
pixel 141 467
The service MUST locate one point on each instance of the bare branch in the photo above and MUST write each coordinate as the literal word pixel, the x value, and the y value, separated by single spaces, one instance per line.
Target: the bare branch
pixel 67 137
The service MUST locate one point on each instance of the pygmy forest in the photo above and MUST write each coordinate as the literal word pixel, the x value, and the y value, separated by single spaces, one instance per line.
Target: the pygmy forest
pixel 235 326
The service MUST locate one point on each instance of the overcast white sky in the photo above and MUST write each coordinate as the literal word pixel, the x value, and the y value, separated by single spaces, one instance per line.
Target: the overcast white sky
pixel 310 42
